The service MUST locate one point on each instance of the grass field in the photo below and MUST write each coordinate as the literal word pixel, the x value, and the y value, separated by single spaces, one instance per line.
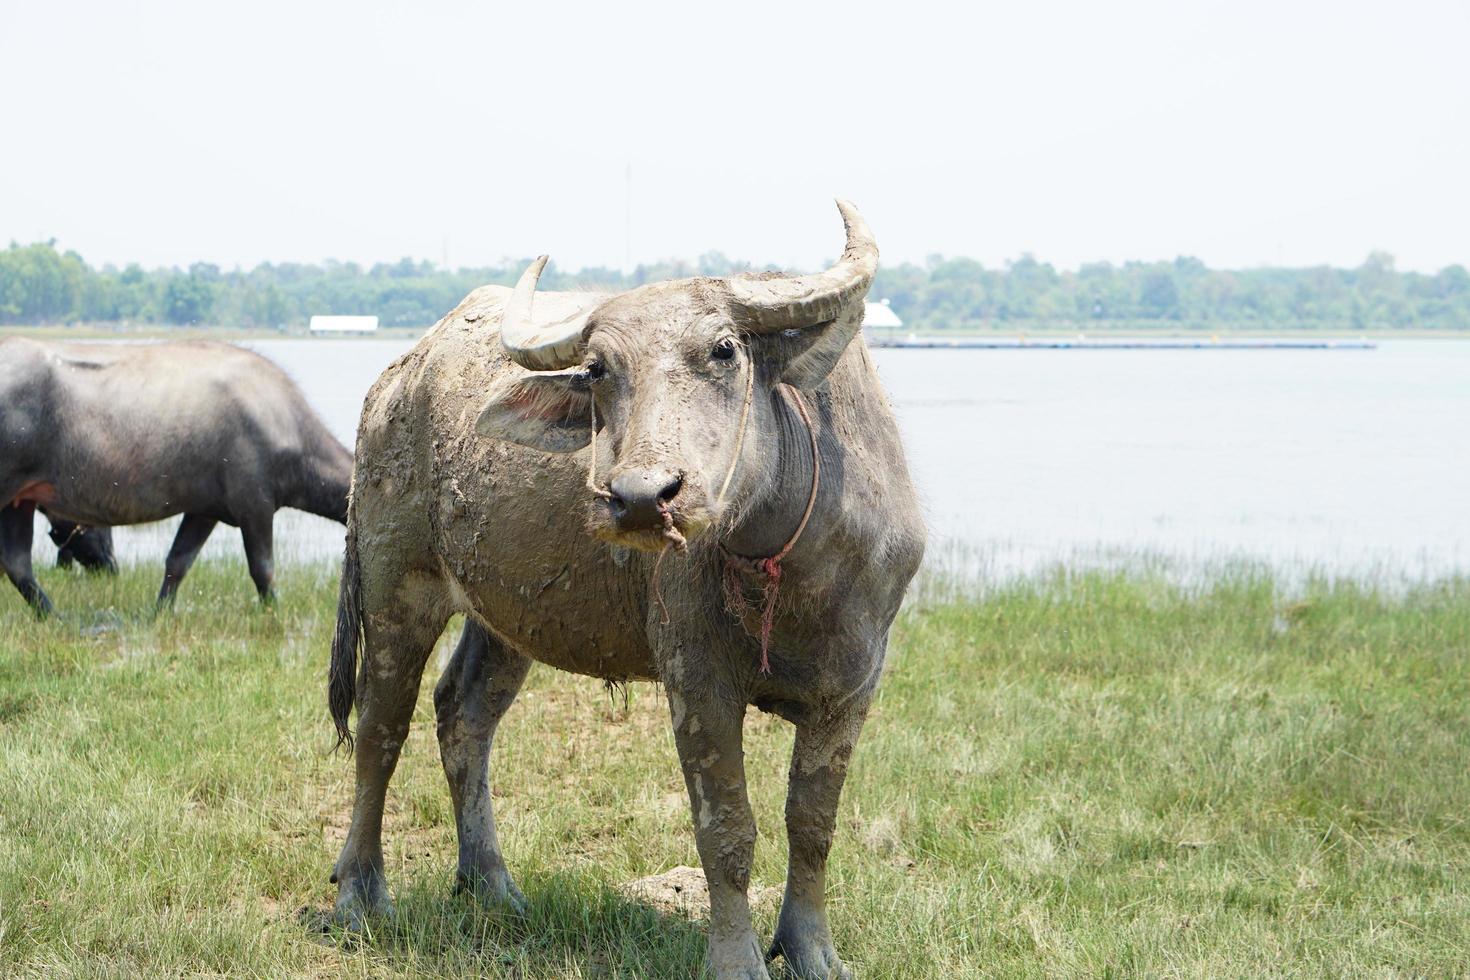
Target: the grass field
pixel 1102 774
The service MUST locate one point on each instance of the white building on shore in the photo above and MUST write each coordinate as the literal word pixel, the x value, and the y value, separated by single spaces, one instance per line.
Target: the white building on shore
pixel 330 325
pixel 880 322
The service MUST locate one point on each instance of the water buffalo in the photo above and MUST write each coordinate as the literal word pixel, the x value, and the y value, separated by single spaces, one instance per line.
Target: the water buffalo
pixel 89 547
pixel 741 529
pixel 109 434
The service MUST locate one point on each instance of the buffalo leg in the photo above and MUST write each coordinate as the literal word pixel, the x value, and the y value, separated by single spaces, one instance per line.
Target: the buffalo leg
pixel 17 527
pixel 818 767
pixel 478 685
pixel 259 552
pixel 193 531
pixel 708 735
pixel 394 655
pixel 92 549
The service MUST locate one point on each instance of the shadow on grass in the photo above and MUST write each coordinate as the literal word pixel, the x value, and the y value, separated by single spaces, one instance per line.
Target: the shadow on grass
pixel 573 926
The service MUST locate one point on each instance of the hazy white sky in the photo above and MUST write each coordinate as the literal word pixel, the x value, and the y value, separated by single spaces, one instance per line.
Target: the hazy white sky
pixel 1244 133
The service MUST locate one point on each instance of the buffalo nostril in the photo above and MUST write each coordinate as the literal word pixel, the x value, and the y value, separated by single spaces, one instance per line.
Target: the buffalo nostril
pixel 640 498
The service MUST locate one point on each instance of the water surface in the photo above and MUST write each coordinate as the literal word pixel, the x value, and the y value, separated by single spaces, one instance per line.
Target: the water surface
pixel 1348 462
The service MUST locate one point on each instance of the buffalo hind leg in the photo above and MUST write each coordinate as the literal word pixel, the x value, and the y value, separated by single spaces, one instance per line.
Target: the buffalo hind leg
pixel 479 684
pixel 708 735
pixel 17 528
pixel 395 649
pixel 257 533
pixel 193 532
pixel 818 768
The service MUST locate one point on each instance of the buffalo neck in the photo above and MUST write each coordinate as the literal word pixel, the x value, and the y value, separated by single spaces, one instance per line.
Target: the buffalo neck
pixel 320 482
pixel 781 487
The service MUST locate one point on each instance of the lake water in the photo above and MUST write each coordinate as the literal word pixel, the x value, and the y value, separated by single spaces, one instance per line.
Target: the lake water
pixel 1346 462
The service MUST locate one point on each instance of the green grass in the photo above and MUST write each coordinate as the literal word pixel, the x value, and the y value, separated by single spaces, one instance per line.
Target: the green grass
pixel 1100 774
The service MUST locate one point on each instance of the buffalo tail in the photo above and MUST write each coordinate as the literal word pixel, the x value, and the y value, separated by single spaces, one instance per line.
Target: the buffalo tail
pixel 342 675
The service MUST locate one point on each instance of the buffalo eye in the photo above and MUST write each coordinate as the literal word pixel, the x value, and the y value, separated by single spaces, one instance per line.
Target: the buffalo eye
pixel 724 349
pixel 589 375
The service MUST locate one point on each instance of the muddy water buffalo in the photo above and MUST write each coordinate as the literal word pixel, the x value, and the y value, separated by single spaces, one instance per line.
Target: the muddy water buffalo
pixel 742 528
pixel 109 434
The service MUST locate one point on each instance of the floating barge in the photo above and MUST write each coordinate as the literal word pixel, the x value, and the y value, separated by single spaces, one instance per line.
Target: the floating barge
pixel 1122 343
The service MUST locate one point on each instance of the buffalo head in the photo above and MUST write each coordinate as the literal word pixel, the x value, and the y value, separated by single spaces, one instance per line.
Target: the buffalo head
pixel 678 378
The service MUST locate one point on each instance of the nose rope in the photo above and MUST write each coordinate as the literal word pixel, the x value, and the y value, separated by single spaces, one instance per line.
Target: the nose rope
pixel 658 593
pixel 75 530
pixel 739 435
pixel 672 537
pixel 592 459
pixel 768 568
pixel 669 531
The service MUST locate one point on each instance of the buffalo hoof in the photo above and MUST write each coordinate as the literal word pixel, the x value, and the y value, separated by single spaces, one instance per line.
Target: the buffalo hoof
pixel 737 960
pixel 360 902
pixel 808 953
pixel 492 890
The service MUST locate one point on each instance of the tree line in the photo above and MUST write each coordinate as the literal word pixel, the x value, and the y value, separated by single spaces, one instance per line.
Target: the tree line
pixel 41 285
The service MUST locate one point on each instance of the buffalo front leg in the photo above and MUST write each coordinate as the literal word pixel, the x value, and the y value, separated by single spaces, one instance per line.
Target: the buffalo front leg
pixel 193 531
pixel 394 654
pixel 93 550
pixel 17 528
pixel 818 768
pixel 708 735
pixel 479 684
pixel 257 533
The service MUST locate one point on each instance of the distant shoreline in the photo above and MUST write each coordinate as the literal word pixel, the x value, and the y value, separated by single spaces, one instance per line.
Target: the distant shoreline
pixel 1015 331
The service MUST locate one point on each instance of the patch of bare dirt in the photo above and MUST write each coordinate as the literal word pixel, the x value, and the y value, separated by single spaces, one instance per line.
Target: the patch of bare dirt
pixel 683 891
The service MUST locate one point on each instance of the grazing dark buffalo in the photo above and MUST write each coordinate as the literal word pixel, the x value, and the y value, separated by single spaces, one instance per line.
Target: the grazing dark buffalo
pixel 742 529
pixel 89 547
pixel 105 434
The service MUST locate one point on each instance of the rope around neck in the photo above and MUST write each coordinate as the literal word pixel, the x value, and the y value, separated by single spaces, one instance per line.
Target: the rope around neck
pixel 770 568
pixel 811 500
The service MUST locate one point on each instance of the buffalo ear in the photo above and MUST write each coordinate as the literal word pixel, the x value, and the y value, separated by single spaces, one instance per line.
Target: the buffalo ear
pixel 549 411
pixel 804 357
